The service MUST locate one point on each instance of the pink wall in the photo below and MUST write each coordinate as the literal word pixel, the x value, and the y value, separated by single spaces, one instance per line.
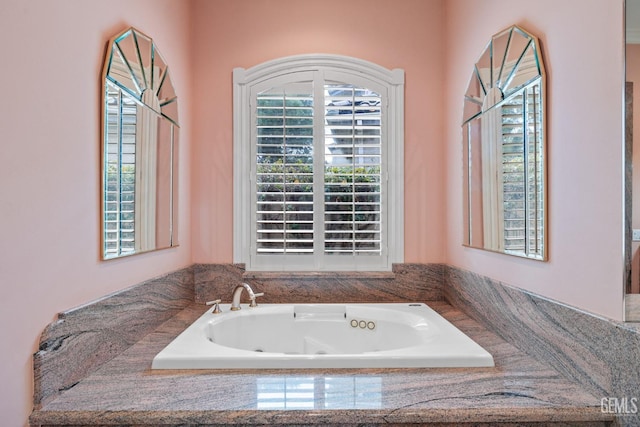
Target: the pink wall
pixel 395 34
pixel 49 193
pixel 582 42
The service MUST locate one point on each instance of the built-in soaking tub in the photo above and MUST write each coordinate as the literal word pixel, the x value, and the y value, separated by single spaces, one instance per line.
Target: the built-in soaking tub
pixel 399 335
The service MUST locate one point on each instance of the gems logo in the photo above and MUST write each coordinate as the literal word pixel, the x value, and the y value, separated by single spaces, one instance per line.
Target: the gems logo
pixel 619 405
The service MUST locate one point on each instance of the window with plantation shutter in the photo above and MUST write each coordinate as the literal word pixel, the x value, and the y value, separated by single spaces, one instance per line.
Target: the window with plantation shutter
pixel 318 165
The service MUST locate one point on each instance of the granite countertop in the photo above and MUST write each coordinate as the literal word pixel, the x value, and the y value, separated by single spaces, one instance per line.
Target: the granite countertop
pixel 126 391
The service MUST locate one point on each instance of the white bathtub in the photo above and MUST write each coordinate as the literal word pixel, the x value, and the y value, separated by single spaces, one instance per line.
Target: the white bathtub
pixel 322 336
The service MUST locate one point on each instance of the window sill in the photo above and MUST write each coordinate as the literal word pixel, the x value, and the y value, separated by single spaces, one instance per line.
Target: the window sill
pixel 318 275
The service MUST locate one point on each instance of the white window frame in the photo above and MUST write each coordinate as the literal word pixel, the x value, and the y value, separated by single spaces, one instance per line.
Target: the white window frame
pixel 245 84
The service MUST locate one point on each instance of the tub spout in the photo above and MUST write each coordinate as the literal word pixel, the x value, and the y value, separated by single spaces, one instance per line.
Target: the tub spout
pixel 237 293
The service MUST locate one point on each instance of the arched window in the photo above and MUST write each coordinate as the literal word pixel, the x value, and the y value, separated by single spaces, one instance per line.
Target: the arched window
pixel 318 165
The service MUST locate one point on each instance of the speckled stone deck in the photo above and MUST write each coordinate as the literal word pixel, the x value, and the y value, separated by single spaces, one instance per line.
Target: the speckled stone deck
pixel 85 337
pixel 518 391
pixel 601 355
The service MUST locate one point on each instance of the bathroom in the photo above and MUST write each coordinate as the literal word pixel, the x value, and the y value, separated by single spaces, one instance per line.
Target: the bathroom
pixel 51 200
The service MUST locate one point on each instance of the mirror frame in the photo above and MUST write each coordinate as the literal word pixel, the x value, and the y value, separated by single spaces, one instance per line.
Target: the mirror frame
pixel 139 155
pixel 511 66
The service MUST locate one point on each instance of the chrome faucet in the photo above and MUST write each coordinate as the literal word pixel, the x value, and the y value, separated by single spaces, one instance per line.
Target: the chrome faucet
pixel 237 293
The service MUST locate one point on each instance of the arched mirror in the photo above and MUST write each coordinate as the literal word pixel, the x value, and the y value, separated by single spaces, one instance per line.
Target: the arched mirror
pixel 139 149
pixel 504 148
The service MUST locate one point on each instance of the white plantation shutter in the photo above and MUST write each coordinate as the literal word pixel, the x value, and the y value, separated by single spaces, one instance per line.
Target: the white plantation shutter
pixel 317 143
pixel 353 174
pixel 284 171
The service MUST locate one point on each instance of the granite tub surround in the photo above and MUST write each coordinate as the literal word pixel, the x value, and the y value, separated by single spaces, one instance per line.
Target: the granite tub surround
pixel 83 338
pixel 518 391
pixel 600 355
pixel 407 282
pixel 216 281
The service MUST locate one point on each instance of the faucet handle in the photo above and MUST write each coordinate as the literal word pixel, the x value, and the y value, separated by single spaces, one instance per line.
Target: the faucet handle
pixel 216 305
pixel 253 299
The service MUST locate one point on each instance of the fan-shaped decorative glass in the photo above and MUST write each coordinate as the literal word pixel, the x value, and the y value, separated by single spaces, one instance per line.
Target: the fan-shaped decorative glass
pixel 135 65
pixel 140 147
pixel 504 148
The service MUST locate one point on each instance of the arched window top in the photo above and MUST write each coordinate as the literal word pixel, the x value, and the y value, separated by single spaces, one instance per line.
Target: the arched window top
pixel 310 62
